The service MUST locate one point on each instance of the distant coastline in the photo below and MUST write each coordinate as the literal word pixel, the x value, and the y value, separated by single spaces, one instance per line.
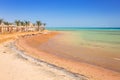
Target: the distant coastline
pixel 81 28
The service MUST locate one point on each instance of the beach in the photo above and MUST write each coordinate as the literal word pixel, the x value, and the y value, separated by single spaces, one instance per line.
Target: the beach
pixel 60 40
pixel 31 44
pixel 15 64
pixel 21 58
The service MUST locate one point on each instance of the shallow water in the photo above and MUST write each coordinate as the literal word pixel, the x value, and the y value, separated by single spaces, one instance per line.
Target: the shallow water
pixel 97 47
pixel 95 38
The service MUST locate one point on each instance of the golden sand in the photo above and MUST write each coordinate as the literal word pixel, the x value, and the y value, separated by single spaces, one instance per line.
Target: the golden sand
pixel 14 67
pixel 11 36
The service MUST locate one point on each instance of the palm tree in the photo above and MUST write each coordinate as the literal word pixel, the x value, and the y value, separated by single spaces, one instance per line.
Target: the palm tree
pixel 43 27
pixel 27 23
pixel 6 23
pixel 44 24
pixel 6 27
pixel 1 26
pixel 17 22
pixel 38 24
pixel 1 21
pixel 23 25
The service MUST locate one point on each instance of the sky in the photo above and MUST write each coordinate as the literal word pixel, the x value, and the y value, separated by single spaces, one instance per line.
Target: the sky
pixel 63 13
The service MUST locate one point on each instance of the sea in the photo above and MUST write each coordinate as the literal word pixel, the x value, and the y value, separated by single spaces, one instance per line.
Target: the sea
pixel 96 46
pixel 109 36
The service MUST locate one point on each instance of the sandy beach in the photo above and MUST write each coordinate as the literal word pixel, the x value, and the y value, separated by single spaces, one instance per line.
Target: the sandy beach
pixel 21 59
pixel 15 64
pixel 91 71
pixel 59 39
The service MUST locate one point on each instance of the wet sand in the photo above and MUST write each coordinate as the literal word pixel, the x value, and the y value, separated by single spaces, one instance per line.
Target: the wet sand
pixel 31 44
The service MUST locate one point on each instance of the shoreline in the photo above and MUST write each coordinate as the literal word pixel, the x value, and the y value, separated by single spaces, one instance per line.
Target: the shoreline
pixel 91 71
pixel 46 64
pixel 61 45
pixel 20 64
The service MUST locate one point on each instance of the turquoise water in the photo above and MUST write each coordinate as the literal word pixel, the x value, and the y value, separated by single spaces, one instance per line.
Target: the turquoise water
pixel 108 36
pixel 98 46
pixel 99 35
pixel 79 28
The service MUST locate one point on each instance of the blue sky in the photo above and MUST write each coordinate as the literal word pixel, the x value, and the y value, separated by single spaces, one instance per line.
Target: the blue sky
pixel 63 13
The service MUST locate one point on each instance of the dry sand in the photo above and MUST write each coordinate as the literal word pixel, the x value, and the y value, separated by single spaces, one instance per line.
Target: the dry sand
pixel 93 72
pixel 16 65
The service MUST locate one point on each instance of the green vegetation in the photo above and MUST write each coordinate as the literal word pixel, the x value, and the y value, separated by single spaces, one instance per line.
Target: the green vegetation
pixel 1 20
pixel 20 26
